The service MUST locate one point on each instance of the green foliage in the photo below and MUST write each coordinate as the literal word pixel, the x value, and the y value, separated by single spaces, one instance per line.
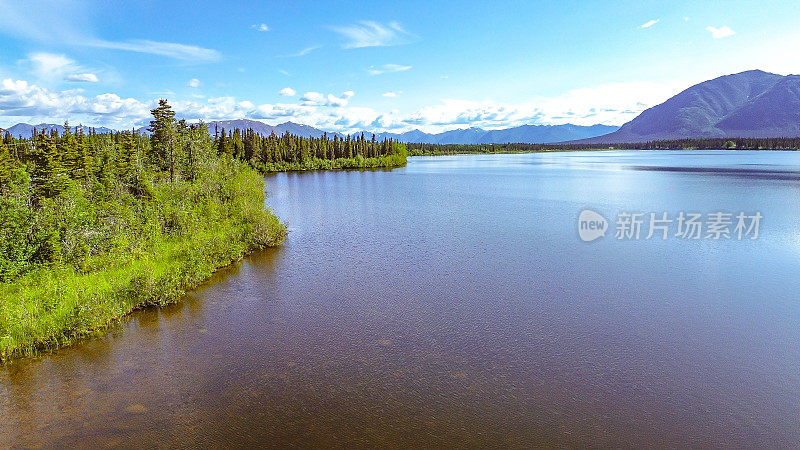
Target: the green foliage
pixel 48 173
pixel 93 226
pixel 5 166
pixel 163 138
pixel 288 152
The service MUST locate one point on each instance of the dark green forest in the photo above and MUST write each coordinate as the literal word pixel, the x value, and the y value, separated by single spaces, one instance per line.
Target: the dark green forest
pixel 288 152
pixel 677 144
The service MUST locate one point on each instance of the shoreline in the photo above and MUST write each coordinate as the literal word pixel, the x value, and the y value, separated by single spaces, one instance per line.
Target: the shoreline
pixel 113 293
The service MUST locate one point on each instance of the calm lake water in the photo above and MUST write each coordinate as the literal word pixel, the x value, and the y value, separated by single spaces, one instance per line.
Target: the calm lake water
pixel 451 302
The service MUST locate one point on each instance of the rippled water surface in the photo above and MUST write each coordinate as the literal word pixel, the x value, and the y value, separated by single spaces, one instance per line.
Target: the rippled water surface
pixel 451 302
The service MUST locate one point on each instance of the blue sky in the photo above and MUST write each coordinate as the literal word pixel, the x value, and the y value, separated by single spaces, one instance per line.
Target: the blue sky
pixel 347 66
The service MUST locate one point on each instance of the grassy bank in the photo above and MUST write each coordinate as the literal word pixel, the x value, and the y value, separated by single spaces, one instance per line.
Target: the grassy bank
pixel 174 240
pixel 94 226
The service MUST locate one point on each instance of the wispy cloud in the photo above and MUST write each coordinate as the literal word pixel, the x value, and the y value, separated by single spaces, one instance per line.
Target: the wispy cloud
pixel 193 83
pixel 387 68
pixel 650 23
pixel 373 34
pixel 260 27
pixel 82 78
pixel 392 94
pixel 287 92
pixel 49 64
pixel 719 33
pixel 52 67
pixel 64 22
pixel 302 52
pixel 189 53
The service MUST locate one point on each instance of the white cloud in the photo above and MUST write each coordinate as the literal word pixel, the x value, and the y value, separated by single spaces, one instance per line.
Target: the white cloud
pixel 317 99
pixel 650 23
pixel 392 94
pixel 53 68
pixel 610 104
pixel 193 83
pixel 387 68
pixel 64 22
pixel 82 78
pixel 260 27
pixel 373 34
pixel 189 53
pixel 302 52
pixel 18 98
pixel 312 98
pixel 287 92
pixel 48 64
pixel 719 33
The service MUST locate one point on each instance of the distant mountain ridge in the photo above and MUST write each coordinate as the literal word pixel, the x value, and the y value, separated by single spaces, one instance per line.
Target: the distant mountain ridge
pixel 26 130
pixel 266 129
pixel 528 134
pixel 525 134
pixel 754 104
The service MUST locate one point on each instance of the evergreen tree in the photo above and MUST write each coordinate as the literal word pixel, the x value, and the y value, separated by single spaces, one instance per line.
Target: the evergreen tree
pixel 68 149
pixel 5 166
pixel 48 173
pixel 85 155
pixel 127 155
pixel 238 144
pixel 162 141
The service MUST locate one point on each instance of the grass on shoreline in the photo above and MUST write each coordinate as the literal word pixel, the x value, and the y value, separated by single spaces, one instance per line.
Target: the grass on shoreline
pixel 53 305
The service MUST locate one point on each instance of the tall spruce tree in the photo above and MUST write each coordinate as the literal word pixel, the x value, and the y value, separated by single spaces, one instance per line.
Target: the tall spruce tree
pixel 162 141
pixel 68 149
pixel 48 173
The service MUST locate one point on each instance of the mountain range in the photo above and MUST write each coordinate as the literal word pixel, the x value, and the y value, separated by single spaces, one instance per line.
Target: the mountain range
pixel 26 130
pixel 747 104
pixel 528 134
pixel 524 134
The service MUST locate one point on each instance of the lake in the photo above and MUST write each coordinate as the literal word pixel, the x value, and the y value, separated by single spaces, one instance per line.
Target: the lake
pixel 452 302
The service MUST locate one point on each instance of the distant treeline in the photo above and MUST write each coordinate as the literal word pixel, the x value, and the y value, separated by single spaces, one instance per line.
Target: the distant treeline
pixel 289 152
pixel 676 144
